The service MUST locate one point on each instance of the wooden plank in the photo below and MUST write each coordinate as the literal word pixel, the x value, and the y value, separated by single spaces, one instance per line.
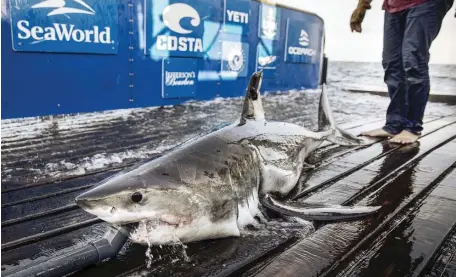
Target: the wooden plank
pixel 408 243
pixel 324 250
pixel 328 174
pixel 444 264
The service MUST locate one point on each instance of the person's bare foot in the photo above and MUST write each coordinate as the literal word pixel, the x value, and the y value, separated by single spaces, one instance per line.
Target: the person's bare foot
pixel 405 137
pixel 379 133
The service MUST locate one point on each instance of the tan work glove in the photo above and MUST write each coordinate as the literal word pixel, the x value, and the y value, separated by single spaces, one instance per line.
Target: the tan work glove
pixel 358 15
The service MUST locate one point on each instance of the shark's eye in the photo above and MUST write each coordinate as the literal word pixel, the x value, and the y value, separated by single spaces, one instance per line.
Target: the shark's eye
pixel 136 197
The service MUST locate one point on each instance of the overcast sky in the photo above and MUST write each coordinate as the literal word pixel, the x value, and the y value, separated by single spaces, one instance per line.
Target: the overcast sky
pixel 343 45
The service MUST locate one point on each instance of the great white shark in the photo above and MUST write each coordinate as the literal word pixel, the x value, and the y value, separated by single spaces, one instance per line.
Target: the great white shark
pixel 214 185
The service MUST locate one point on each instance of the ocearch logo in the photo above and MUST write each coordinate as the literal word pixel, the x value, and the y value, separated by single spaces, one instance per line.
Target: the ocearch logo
pixel 172 16
pixel 302 51
pixel 62 31
pixel 304 38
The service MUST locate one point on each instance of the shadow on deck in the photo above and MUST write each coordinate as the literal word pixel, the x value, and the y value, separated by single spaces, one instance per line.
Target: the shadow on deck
pixel 414 234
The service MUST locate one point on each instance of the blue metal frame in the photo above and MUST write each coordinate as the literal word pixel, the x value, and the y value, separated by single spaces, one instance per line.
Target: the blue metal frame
pixel 42 83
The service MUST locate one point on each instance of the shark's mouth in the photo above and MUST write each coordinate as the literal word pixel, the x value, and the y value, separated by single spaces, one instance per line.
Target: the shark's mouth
pixel 171 220
pixel 164 221
pixel 166 230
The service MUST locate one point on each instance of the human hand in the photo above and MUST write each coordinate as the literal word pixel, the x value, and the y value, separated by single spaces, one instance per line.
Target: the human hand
pixel 358 14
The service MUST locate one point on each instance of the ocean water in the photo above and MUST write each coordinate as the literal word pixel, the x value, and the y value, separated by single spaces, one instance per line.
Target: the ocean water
pixel 342 74
pixel 49 149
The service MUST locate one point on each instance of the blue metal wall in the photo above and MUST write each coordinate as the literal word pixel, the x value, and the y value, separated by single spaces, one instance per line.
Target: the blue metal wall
pixel 43 75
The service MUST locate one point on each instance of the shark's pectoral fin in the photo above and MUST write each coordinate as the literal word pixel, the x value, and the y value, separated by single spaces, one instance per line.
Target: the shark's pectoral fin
pixel 344 138
pixel 318 212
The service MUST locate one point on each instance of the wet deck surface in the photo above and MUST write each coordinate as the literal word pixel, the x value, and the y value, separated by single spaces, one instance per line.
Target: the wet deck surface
pixel 413 235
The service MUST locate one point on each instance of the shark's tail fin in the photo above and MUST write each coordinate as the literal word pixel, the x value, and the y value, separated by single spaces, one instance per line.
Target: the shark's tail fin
pixel 327 125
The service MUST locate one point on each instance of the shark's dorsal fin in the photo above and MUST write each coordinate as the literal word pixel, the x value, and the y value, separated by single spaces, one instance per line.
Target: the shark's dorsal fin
pixel 253 108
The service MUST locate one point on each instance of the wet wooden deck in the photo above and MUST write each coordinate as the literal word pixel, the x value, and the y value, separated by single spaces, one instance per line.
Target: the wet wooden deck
pixel 413 235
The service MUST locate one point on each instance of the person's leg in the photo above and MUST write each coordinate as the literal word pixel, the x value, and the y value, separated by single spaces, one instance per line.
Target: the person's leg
pixel 422 26
pixel 394 76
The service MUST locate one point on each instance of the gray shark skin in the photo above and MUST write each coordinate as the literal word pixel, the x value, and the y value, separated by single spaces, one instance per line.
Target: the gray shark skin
pixel 212 186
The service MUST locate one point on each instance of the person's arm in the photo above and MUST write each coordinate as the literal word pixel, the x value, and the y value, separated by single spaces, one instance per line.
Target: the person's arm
pixel 358 15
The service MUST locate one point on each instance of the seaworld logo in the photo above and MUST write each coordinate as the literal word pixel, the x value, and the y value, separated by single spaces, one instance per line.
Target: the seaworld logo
pixel 60 7
pixel 62 31
pixel 172 16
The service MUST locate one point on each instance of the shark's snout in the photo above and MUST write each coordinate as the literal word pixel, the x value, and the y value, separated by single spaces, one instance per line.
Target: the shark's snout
pixel 94 207
pixel 81 202
pixel 168 206
pixel 84 200
pixel 85 203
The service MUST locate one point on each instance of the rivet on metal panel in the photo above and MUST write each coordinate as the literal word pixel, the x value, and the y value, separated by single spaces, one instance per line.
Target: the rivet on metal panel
pixel 131 47
pixel 19 43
